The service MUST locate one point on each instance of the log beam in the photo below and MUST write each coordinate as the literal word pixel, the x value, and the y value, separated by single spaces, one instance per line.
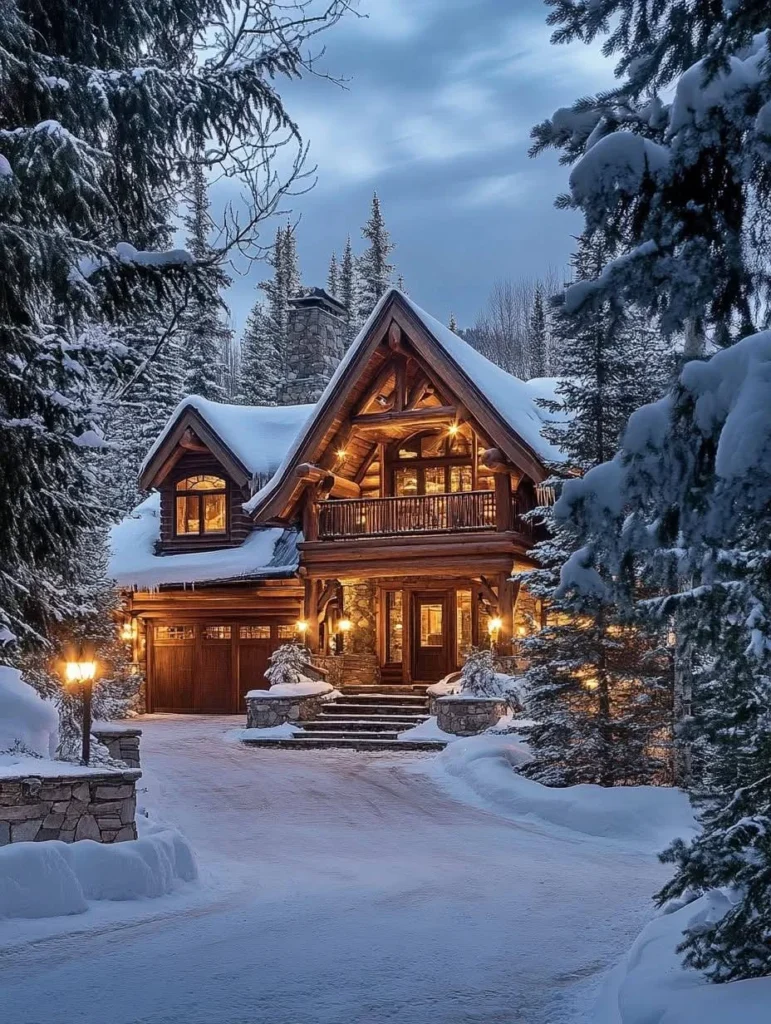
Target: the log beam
pixel 336 486
pixel 441 415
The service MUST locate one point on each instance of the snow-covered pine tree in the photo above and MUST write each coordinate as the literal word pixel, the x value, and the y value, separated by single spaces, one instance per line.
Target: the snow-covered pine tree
pixel 453 324
pixel 478 674
pixel 349 288
pixel 688 499
pixel 205 335
pixel 401 285
pixel 100 116
pixel 538 336
pixel 599 683
pixel 679 184
pixel 260 370
pixel 333 276
pixel 287 665
pixel 374 270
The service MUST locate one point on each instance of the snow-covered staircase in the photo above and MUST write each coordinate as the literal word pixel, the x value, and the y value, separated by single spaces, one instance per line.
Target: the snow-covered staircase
pixel 362 721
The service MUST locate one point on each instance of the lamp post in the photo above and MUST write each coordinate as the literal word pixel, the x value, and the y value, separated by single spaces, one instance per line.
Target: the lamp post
pixel 80 671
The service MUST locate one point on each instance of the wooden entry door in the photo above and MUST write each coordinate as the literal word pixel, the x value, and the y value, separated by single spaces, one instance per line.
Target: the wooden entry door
pixel 431 658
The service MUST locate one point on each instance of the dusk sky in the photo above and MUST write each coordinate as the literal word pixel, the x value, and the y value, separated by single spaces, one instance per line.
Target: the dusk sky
pixel 436 115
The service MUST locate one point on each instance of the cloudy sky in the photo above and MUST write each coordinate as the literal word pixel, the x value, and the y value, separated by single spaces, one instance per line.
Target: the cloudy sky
pixel 439 100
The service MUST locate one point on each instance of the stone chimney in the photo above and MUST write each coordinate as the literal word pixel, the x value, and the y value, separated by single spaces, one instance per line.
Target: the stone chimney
pixel 315 346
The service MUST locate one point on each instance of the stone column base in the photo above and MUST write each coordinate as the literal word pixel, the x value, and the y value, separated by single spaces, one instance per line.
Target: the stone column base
pixel 123 744
pixel 267 712
pixel 468 716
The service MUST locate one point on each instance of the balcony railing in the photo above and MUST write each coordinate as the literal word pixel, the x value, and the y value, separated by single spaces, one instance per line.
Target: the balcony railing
pixel 428 513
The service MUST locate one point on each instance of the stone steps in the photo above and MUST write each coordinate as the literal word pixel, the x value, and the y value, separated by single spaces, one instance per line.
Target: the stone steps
pixel 324 724
pixel 377 710
pixel 311 742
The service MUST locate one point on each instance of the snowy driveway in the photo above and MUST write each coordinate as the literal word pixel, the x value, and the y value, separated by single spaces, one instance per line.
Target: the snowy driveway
pixel 338 888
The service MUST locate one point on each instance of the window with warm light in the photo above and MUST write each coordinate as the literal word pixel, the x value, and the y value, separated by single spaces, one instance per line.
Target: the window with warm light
pixel 201 506
pixel 431 616
pixel 440 463
pixel 395 627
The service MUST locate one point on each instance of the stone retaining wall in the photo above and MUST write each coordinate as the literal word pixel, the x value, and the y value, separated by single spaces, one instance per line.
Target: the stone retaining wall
pixel 467 716
pixel 123 744
pixel 99 806
pixel 267 712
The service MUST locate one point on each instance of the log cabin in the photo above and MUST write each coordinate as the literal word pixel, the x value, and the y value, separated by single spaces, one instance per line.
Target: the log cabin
pixel 379 521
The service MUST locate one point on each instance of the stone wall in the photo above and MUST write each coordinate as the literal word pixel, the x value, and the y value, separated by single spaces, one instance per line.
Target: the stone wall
pixel 93 805
pixel 122 744
pixel 359 601
pixel 467 716
pixel 268 712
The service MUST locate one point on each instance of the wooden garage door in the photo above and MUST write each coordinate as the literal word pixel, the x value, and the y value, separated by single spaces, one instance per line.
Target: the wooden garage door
pixel 173 668
pixel 256 643
pixel 214 690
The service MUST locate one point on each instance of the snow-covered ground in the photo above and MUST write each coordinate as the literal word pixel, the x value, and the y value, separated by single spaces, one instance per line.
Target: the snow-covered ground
pixel 336 886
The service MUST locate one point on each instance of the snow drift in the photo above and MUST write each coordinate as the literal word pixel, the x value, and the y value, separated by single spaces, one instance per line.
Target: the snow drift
pixel 26 720
pixel 54 879
pixel 483 769
pixel 650 986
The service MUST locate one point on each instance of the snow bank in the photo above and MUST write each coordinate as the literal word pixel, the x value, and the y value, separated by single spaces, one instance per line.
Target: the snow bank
pixel 134 563
pixel 53 879
pixel 484 768
pixel 428 730
pixel 26 720
pixel 285 731
pixel 650 986
pixel 450 684
pixel 306 688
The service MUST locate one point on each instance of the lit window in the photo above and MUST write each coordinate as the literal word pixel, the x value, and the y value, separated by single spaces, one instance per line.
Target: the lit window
pixel 463 625
pixel 431 625
pixel 201 506
pixel 287 632
pixel 170 634
pixel 216 633
pixel 255 632
pixel 460 478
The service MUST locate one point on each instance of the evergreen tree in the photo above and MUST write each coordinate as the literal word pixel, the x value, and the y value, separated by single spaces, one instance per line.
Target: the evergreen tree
pixel 453 324
pixel 260 372
pixel 100 115
pixel 599 683
pixel 349 288
pixel 538 342
pixel 686 505
pixel 401 285
pixel 206 337
pixel 333 277
pixel 680 184
pixel 374 270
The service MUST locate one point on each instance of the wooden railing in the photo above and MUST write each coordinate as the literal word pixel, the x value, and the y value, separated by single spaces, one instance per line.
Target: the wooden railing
pixel 429 513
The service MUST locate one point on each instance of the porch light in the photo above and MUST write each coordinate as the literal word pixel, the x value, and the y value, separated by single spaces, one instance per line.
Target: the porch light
pixel 301 626
pixel 344 625
pixel 80 670
pixel 591 684
pixel 128 630
pixel 494 626
pixel 341 453
pixel 453 429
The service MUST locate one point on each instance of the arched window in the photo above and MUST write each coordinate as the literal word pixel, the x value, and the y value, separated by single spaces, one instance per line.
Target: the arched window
pixel 432 463
pixel 201 506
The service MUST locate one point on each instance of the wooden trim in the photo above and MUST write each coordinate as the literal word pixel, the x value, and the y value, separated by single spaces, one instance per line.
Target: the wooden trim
pixel 406 418
pixel 166 457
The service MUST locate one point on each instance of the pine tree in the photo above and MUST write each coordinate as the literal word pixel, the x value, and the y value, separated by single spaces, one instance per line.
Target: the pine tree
pixel 599 682
pixel 538 341
pixel 206 336
pixel 401 285
pixel 349 288
pixel 671 181
pixel 260 372
pixel 686 505
pixel 100 115
pixel 333 276
pixel 374 270
pixel 453 324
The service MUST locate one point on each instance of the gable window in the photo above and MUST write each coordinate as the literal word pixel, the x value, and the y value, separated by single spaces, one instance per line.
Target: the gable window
pixel 432 463
pixel 201 506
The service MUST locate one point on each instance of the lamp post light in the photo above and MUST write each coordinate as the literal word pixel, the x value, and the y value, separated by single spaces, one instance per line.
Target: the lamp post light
pixel 80 671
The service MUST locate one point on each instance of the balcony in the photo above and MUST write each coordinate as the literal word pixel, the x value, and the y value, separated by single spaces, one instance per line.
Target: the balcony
pixel 430 513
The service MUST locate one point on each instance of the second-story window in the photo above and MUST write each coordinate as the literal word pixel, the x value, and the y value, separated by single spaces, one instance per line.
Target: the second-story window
pixel 432 463
pixel 201 506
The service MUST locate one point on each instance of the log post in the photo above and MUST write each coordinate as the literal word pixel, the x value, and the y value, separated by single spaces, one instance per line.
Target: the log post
pixel 504 518
pixel 507 593
pixel 312 591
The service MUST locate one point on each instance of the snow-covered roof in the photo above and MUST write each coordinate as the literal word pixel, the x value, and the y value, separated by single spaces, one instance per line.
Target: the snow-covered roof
pixel 515 400
pixel 266 553
pixel 258 436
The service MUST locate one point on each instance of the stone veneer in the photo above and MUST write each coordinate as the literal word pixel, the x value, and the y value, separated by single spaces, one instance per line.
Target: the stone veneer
pixel 316 344
pixel 267 712
pixel 122 744
pixel 467 716
pixel 92 805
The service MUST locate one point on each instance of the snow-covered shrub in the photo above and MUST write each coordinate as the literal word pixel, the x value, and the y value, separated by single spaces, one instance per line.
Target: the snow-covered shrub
pixel 28 724
pixel 478 676
pixel 287 665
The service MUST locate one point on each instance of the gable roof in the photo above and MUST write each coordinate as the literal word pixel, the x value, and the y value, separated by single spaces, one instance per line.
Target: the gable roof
pixel 495 396
pixel 249 440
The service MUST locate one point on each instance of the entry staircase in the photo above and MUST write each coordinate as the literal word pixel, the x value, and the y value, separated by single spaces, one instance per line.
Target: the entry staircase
pixel 361 721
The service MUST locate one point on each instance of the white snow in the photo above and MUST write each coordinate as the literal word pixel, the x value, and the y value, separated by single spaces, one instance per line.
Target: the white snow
pixel 133 562
pixel 428 730
pixel 305 688
pixel 6 171
pixel 650 985
pixel 26 720
pixel 617 162
pixel 483 768
pixel 450 684
pixel 52 879
pixel 259 436
pixel 126 252
pixel 335 886
pixel 285 731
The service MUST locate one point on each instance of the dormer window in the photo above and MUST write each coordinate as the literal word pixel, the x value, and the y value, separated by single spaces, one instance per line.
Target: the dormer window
pixel 201 506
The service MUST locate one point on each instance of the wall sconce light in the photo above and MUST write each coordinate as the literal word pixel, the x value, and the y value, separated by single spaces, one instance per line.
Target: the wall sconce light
pixel 128 631
pixel 521 631
pixel 494 626
pixel 344 626
pixel 301 627
pixel 453 429
pixel 341 453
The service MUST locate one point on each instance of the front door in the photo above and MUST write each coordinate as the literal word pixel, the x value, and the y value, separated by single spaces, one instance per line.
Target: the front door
pixel 431 639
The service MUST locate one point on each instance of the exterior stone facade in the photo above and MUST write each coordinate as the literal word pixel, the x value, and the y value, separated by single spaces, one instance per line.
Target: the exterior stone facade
pixel 123 744
pixel 467 716
pixel 317 342
pixel 267 712
pixel 99 806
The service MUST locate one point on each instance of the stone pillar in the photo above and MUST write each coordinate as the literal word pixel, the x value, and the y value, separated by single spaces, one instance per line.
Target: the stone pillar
pixel 316 344
pixel 361 665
